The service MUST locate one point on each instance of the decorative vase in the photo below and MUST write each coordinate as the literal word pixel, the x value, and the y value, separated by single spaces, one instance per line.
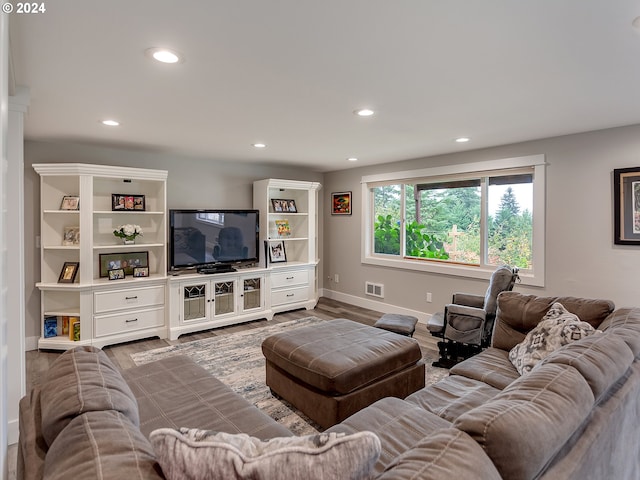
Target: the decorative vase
pixel 126 241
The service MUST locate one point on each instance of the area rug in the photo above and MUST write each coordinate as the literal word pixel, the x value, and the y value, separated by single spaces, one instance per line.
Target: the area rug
pixel 236 359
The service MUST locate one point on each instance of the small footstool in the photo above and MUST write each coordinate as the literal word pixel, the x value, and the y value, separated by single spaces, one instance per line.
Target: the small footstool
pixel 394 322
pixel 333 369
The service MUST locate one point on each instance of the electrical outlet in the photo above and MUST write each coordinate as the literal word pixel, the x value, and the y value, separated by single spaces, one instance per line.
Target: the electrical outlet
pixel 429 299
pixel 336 278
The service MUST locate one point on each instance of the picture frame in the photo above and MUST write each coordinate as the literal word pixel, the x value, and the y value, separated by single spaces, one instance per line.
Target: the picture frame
pixel 284 205
pixel 116 274
pixel 139 272
pixel 626 203
pixel 70 202
pixel 124 202
pixel 124 260
pixel 69 272
pixel 341 203
pixel 71 236
pixel 277 253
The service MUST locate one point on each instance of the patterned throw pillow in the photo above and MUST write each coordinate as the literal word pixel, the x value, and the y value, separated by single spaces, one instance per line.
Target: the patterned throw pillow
pixel 557 328
pixel 189 454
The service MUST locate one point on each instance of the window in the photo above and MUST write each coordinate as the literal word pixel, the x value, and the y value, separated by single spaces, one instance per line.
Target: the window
pixel 466 222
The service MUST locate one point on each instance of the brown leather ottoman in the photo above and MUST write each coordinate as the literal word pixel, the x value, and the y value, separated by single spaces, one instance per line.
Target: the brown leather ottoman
pixel 333 369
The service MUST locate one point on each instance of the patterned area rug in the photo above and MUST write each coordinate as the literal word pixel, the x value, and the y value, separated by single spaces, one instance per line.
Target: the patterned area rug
pixel 236 359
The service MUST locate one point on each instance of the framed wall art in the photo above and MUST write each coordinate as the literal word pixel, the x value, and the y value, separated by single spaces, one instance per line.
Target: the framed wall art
pixel 626 204
pixel 125 202
pixel 341 203
pixel 125 260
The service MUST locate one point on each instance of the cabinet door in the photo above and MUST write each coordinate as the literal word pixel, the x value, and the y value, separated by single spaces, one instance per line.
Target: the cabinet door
pixel 195 302
pixel 224 292
pixel 252 293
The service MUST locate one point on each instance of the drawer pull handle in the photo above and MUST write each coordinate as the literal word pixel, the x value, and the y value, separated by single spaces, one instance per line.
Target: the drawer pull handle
pixel 130 298
pixel 131 320
pixel 290 294
pixel 290 278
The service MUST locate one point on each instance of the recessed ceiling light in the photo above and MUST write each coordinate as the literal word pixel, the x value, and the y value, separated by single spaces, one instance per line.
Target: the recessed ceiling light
pixel 352 159
pixel 364 112
pixel 110 123
pixel 260 145
pixel 462 139
pixel 164 55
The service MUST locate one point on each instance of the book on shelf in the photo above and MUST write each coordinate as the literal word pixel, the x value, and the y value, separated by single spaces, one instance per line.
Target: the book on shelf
pixel 74 328
pixel 283 228
pixel 50 327
pixel 65 325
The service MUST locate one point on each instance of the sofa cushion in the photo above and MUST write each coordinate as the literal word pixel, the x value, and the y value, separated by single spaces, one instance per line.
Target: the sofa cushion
pixel 518 313
pixel 524 426
pixel 600 359
pixel 175 392
pixel 557 328
pixel 101 445
pixel 399 425
pixel 82 380
pixel 452 396
pixel 196 454
pixel 491 366
pixel 445 454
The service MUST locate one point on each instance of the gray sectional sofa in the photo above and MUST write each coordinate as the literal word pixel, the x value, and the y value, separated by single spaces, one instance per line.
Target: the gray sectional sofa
pixel 575 416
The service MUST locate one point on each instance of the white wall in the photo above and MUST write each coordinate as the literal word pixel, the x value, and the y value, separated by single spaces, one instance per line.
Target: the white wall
pixel 192 183
pixel 581 258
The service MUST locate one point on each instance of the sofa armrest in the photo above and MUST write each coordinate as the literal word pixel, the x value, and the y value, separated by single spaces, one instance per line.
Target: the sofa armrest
pixel 468 299
pixel 455 309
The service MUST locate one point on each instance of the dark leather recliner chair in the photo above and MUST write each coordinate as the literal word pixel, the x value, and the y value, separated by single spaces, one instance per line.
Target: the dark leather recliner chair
pixel 467 322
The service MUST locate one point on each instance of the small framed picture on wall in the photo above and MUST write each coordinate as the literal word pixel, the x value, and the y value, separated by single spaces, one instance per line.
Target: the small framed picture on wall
pixel 341 203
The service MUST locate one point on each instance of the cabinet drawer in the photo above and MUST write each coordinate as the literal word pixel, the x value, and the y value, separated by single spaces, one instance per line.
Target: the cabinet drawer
pixel 114 300
pixel 291 295
pixel 128 322
pixel 283 279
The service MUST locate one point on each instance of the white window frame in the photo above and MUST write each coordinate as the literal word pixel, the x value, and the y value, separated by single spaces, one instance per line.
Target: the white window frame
pixel 533 277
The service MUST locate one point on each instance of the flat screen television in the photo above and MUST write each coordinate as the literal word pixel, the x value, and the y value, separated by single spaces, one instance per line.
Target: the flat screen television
pixel 213 240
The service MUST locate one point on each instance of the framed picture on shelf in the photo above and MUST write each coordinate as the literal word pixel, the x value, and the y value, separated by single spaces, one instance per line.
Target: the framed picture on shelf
pixel 283 228
pixel 126 260
pixel 626 202
pixel 125 202
pixel 69 272
pixel 71 236
pixel 140 271
pixel 276 252
pixel 341 203
pixel 116 274
pixel 70 202
pixel 283 205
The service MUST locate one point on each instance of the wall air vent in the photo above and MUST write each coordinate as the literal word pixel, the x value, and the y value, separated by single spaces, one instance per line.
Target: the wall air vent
pixel 374 289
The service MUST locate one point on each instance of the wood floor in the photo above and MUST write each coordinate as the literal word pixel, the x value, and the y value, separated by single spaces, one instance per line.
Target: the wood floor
pixel 38 361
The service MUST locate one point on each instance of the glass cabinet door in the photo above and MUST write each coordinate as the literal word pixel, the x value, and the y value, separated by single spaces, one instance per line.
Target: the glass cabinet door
pixel 194 302
pixel 224 292
pixel 251 293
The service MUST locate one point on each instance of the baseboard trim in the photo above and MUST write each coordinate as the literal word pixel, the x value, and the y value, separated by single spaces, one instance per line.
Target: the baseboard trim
pixel 31 343
pixel 423 317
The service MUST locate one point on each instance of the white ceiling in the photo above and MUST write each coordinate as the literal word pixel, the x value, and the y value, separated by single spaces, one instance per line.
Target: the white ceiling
pixel 291 72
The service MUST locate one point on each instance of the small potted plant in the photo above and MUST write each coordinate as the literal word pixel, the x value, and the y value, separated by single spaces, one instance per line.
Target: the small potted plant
pixel 128 233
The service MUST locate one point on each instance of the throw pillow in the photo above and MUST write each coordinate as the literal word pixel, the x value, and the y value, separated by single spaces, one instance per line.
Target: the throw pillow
pixel 557 328
pixel 187 454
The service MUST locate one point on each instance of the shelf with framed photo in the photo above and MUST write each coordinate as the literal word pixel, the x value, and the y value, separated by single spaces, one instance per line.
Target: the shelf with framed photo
pixel 77 223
